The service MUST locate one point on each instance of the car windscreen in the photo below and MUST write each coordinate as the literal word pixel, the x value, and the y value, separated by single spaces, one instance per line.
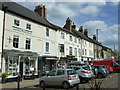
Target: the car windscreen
pixel 71 72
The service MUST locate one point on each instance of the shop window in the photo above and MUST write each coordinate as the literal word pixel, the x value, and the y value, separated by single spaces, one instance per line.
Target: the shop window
pixel 15 41
pixel 16 22
pixel 27 46
pixel 12 65
pixel 47 32
pixel 47 47
pixel 28 26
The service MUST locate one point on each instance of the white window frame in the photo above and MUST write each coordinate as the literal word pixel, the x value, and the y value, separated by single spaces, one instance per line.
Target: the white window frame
pixel 47 45
pixel 16 22
pixel 28 26
pixel 28 43
pixel 47 32
pixel 15 41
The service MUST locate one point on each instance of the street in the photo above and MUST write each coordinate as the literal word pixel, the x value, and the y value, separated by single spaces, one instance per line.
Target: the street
pixel 110 82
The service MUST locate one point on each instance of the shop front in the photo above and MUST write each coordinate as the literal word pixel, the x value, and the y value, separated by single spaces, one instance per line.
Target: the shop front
pixel 23 63
pixel 47 63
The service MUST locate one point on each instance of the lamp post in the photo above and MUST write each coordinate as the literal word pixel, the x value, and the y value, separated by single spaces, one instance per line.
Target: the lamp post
pixel 97 41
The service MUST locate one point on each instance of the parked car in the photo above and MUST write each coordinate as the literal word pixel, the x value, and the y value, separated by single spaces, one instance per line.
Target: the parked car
pixel 85 74
pixel 60 77
pixel 102 71
pixel 111 64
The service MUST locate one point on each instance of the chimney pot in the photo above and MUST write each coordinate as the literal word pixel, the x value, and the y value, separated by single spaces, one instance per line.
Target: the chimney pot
pixel 86 32
pixel 74 26
pixel 94 37
pixel 81 29
pixel 41 10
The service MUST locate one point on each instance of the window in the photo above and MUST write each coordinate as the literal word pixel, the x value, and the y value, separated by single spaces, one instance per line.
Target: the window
pixel 75 52
pixel 79 41
pixel 61 48
pixel 47 32
pixel 16 22
pixel 51 73
pixel 70 38
pixel 60 72
pixel 79 53
pixel 62 35
pixel 75 40
pixel 15 41
pixel 70 50
pixel 27 46
pixel 85 52
pixel 28 26
pixel 47 47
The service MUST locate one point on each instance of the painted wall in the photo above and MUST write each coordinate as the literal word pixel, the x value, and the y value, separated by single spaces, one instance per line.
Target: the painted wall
pixel 1 32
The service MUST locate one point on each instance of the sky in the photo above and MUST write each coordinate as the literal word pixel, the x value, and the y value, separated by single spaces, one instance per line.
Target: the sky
pixel 90 15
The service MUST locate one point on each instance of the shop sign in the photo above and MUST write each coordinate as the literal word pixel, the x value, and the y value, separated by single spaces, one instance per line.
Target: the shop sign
pixel 21 30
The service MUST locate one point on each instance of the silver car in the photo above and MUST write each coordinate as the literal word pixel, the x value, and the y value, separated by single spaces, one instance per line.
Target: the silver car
pixel 60 77
pixel 85 74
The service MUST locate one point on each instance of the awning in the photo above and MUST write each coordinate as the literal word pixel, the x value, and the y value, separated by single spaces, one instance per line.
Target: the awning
pixel 77 63
pixel 49 58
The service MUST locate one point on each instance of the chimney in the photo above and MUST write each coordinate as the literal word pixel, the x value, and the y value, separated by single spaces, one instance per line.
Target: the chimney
pixel 68 24
pixel 94 37
pixel 86 32
pixel 81 29
pixel 74 26
pixel 41 10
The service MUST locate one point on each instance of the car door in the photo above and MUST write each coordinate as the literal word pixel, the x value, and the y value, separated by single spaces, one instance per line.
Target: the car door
pixel 60 77
pixel 50 78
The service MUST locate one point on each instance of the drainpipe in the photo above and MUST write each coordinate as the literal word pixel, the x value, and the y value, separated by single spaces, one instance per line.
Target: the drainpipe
pixel 4 8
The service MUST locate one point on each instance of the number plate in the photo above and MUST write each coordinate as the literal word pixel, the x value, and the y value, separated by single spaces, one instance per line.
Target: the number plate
pixel 74 76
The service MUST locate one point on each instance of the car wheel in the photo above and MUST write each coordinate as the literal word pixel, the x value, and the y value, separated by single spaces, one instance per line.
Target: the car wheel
pixel 66 85
pixel 100 75
pixel 42 84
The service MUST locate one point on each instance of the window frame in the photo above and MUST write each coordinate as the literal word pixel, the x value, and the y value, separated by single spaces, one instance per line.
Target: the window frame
pixel 28 26
pixel 28 44
pixel 47 47
pixel 15 41
pixel 16 22
pixel 47 32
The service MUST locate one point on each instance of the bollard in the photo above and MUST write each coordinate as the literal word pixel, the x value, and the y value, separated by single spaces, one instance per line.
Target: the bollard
pixel 18 82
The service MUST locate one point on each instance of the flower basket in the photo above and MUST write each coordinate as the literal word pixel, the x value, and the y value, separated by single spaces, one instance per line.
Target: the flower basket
pixel 4 77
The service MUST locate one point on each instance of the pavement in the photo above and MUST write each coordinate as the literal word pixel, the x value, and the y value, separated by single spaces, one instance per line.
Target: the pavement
pixel 23 84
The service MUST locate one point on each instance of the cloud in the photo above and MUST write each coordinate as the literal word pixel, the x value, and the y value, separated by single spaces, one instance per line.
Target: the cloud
pixel 90 10
pixel 107 35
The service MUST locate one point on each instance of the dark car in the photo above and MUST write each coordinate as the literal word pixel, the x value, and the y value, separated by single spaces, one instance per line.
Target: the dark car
pixel 102 71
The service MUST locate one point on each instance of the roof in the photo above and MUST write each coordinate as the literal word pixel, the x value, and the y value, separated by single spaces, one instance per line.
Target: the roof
pixel 26 13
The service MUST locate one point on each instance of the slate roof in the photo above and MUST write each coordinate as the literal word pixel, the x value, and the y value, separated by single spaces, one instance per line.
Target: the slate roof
pixel 31 15
pixel 26 13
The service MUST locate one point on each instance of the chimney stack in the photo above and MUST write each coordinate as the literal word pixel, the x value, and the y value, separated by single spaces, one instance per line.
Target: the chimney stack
pixel 74 26
pixel 41 10
pixel 86 32
pixel 81 29
pixel 68 24
pixel 94 37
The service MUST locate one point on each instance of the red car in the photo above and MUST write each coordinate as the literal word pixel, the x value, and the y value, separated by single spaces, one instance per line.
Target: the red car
pixel 112 65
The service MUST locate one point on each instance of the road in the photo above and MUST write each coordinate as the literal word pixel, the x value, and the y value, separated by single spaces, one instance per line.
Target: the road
pixel 111 82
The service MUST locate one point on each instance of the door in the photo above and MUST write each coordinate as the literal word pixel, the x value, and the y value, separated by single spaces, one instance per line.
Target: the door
pixel 21 69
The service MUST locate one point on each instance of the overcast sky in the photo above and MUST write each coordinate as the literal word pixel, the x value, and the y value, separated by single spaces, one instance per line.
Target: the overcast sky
pixel 92 15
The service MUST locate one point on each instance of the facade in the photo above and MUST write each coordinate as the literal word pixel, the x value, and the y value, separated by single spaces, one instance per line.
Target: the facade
pixel 31 43
pixel 1 34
